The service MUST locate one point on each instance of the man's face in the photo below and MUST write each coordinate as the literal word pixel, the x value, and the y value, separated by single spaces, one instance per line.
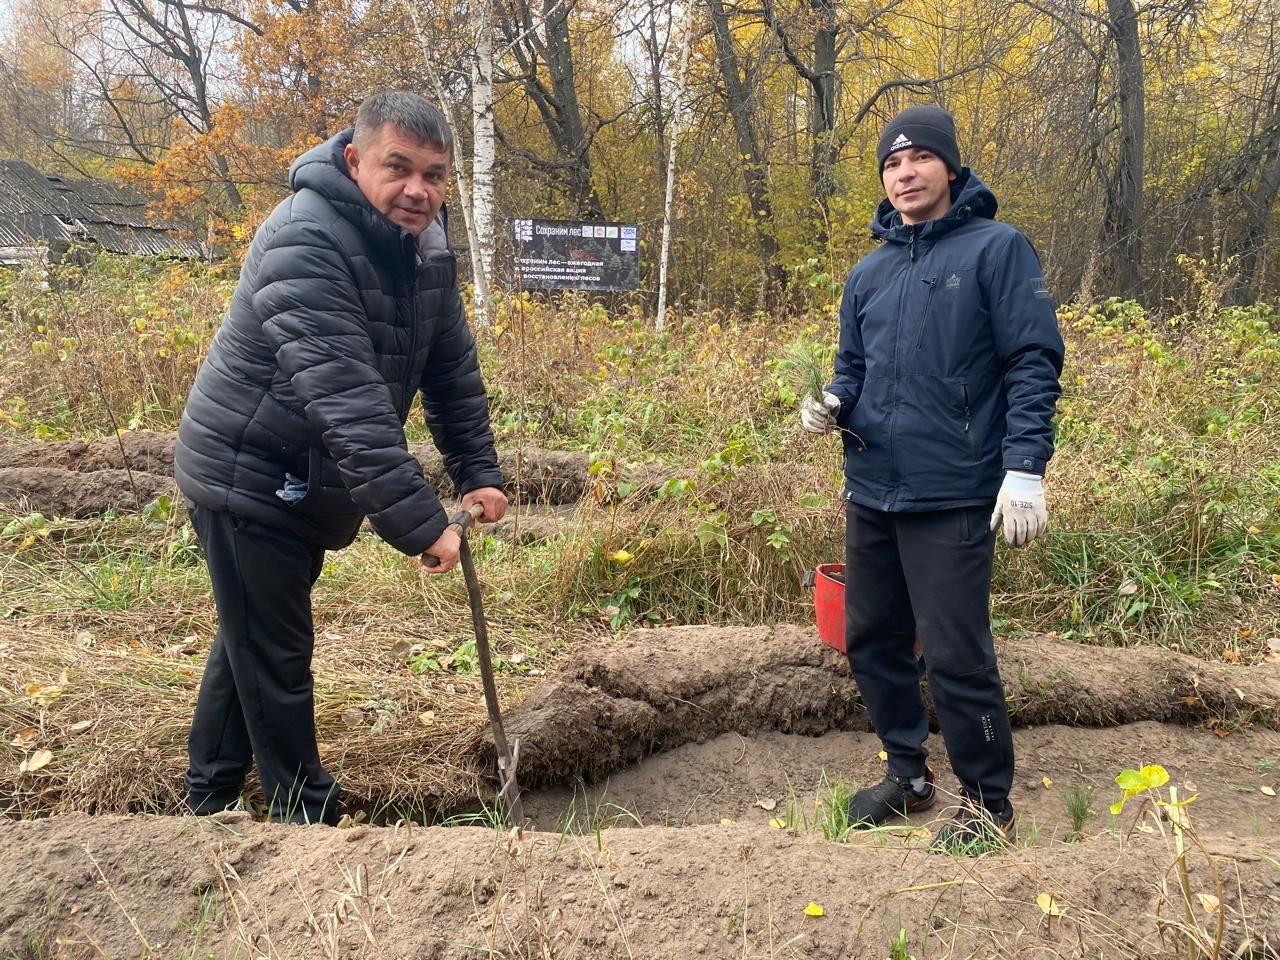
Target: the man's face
pixel 402 177
pixel 918 184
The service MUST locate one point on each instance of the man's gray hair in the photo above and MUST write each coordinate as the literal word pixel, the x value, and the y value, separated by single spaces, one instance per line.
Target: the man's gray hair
pixel 408 113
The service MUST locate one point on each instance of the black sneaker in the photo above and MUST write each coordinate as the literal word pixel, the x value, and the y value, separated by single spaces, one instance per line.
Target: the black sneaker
pixel 976 830
pixel 891 797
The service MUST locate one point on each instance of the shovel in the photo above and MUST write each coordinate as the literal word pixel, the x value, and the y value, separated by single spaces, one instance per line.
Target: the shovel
pixel 509 791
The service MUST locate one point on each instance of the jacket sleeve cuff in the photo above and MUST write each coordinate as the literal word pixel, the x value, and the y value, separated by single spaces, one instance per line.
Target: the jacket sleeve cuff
pixel 1025 464
pixel 847 402
pixel 415 542
pixel 485 478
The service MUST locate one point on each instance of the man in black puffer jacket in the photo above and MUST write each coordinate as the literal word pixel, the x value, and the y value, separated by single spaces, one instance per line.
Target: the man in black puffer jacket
pixel 945 386
pixel 347 306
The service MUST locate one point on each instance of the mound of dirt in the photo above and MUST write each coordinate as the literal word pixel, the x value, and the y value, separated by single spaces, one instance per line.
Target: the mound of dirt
pixel 139 451
pixel 151 886
pixel 59 492
pixel 612 705
pixel 545 476
pixel 81 477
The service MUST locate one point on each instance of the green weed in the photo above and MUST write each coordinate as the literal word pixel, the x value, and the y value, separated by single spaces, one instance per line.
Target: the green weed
pixel 899 947
pixel 1077 799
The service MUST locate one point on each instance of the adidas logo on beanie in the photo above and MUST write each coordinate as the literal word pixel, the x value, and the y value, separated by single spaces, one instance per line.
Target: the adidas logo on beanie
pixel 926 127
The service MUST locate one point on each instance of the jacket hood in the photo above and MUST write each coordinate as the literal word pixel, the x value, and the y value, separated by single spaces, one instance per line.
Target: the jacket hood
pixel 323 169
pixel 970 197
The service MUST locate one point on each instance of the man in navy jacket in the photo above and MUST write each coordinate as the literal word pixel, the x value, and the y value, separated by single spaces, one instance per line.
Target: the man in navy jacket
pixel 945 384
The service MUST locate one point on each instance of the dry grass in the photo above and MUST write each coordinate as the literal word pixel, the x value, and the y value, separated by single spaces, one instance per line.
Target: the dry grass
pixel 110 692
pixel 1169 458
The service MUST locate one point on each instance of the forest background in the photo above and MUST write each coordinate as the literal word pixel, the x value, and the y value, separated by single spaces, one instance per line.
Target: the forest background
pixel 1122 137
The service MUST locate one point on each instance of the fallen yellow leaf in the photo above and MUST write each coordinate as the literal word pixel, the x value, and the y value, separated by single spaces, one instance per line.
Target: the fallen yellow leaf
pixel 25 738
pixel 778 823
pixel 1048 906
pixel 42 695
pixel 1047 782
pixel 814 910
pixel 427 718
pixel 37 761
pixel 1268 791
pixel 726 822
pixel 622 557
pixel 883 756
pixel 1208 902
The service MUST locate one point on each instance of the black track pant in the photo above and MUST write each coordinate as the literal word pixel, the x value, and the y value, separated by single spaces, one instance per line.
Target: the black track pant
pixel 929 572
pixel 256 699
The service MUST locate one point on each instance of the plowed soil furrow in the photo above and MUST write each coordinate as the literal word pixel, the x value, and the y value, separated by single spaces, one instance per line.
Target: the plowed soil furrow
pixel 613 705
pixel 83 478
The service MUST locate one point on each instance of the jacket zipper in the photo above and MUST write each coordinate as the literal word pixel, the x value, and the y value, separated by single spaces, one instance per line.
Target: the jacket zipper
pixel 968 418
pixel 413 338
pixel 928 302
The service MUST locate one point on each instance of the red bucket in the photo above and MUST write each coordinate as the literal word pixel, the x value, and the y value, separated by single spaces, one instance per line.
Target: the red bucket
pixel 828 603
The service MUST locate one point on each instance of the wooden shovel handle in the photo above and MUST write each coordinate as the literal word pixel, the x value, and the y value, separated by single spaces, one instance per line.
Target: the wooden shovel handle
pixel 459 525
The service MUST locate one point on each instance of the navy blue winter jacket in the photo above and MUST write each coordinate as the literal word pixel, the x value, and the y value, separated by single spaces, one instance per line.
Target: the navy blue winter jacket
pixel 338 320
pixel 949 357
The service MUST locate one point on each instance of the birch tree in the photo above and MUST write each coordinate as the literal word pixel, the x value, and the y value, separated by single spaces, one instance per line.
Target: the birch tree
pixel 677 121
pixel 466 198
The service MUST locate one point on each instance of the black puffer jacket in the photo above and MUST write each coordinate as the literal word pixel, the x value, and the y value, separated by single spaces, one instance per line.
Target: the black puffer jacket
pixel 337 320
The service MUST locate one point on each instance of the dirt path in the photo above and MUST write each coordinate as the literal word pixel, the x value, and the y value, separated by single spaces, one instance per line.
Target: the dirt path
pixel 113 887
pixel 735 777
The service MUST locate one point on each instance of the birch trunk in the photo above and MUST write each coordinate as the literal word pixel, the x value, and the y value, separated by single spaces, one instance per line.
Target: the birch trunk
pixel 459 169
pixel 677 119
pixel 483 151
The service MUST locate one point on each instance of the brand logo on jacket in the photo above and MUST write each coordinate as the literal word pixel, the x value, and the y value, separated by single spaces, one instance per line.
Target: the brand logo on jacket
pixel 1040 288
pixel 953 281
pixel 902 141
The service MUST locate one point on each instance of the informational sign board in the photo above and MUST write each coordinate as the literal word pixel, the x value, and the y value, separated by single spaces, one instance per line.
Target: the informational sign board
pixel 575 255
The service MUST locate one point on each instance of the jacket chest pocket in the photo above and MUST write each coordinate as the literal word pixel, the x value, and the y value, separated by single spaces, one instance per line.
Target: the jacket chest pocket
pixel 952 303
pixel 932 283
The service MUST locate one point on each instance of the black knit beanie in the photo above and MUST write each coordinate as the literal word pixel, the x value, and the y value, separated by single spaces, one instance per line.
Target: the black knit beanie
pixel 926 127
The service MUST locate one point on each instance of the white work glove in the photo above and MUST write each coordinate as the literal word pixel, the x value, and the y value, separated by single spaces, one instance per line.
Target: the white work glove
pixel 1020 506
pixel 819 416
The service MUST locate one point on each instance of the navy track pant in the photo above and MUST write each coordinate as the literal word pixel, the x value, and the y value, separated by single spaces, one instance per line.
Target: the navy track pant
pixel 928 572
pixel 256 699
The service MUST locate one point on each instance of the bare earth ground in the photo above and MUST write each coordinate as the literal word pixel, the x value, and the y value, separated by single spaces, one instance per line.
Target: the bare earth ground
pixel 126 887
pixel 707 875
pixel 654 767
